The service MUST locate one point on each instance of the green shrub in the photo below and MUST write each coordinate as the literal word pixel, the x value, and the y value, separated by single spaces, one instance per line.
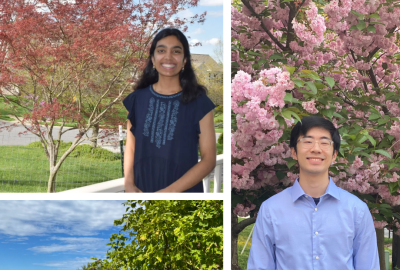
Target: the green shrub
pixel 83 150
pixel 221 139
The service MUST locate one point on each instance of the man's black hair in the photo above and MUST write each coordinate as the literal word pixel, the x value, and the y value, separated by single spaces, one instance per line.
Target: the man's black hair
pixel 310 122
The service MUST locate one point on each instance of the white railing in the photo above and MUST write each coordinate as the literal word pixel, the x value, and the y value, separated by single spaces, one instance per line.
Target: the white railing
pixel 117 185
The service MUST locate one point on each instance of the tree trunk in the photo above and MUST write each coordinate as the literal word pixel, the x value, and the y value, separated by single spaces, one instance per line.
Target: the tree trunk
pixel 95 134
pixel 236 229
pixel 234 240
pixel 396 251
pixel 380 237
pixel 51 185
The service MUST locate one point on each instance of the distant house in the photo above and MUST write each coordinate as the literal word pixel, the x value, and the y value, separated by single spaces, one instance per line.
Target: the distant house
pixel 10 91
pixel 205 63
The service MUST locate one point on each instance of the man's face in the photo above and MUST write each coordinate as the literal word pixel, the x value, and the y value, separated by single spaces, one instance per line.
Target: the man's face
pixel 317 159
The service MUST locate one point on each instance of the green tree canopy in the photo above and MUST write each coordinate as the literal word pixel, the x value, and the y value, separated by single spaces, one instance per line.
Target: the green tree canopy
pixel 167 235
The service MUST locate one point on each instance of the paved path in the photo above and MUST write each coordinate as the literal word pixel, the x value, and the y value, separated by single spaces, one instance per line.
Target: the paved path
pixel 12 138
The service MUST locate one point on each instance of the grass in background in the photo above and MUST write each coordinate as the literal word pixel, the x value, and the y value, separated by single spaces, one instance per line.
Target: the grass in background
pixel 85 166
pixel 26 168
pixel 6 109
pixel 243 235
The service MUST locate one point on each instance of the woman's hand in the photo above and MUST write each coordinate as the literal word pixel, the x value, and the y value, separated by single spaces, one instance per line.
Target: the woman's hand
pixel 129 156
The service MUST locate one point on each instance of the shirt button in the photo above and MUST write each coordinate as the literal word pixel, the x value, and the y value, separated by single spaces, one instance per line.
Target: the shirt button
pixel 315 209
pixel 316 233
pixel 306 196
pixel 317 257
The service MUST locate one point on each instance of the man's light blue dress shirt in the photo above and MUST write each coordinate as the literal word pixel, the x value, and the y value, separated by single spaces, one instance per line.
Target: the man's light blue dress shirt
pixel 292 233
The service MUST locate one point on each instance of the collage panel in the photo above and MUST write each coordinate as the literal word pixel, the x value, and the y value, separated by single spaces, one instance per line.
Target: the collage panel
pixel 315 135
pixel 111 96
pixel 107 234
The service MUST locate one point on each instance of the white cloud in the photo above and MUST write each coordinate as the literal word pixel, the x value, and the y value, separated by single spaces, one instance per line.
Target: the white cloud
pixel 184 14
pixel 33 218
pixel 73 244
pixel 211 2
pixel 196 32
pixel 213 41
pixel 73 264
pixel 193 41
pixel 215 13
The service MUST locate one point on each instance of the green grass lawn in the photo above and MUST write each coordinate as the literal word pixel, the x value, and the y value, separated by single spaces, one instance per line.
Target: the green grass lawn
pixel 241 241
pixel 26 169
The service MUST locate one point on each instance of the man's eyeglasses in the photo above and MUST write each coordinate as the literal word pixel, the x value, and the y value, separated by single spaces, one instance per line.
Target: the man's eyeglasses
pixel 308 143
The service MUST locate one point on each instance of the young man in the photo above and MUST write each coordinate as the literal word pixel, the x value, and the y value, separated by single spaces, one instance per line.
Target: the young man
pixel 314 224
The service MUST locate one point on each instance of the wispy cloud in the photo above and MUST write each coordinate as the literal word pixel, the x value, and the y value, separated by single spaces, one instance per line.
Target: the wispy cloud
pixel 213 41
pixel 45 217
pixel 193 41
pixel 196 32
pixel 211 2
pixel 70 264
pixel 215 13
pixel 73 244
pixel 184 14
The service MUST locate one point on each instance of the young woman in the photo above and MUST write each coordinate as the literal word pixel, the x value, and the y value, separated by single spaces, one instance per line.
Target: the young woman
pixel 170 117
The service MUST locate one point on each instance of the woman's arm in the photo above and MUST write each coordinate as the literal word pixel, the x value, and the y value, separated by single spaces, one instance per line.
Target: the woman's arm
pixel 129 158
pixel 208 158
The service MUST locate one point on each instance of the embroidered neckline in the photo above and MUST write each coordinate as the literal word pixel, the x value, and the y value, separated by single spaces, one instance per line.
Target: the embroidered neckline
pixel 163 96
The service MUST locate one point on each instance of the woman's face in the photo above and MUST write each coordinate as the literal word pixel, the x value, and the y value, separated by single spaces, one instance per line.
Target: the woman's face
pixel 169 56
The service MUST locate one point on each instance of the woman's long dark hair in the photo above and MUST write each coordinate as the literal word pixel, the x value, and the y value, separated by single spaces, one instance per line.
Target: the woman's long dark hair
pixel 191 89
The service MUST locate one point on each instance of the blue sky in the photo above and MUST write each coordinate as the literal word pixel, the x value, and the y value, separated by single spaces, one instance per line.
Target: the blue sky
pixel 210 31
pixel 59 235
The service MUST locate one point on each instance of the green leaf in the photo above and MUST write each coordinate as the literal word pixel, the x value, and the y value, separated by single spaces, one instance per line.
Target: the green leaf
pixel 312 87
pixel 371 139
pixel 359 15
pixel 276 56
pixel 234 64
pixel 383 152
pixel 353 27
pixel 280 175
pixel 310 74
pixel 287 114
pixel 290 69
pixel 376 23
pixel 296 116
pixel 298 82
pixel 328 113
pixel 393 187
pixel 319 85
pixel 382 121
pixel 330 81
pixel 334 170
pixel 291 162
pixel 371 28
pixel 337 115
pixel 288 97
pixel 254 53
pixel 361 25
pixel 284 1
pixel 392 165
pixel 375 16
pixel 374 116
pixel 365 155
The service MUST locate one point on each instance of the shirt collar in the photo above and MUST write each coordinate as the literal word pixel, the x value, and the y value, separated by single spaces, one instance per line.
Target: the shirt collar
pixel 332 190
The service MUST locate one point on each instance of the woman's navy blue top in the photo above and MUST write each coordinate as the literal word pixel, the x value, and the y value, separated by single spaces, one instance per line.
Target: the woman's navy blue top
pixel 167 136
